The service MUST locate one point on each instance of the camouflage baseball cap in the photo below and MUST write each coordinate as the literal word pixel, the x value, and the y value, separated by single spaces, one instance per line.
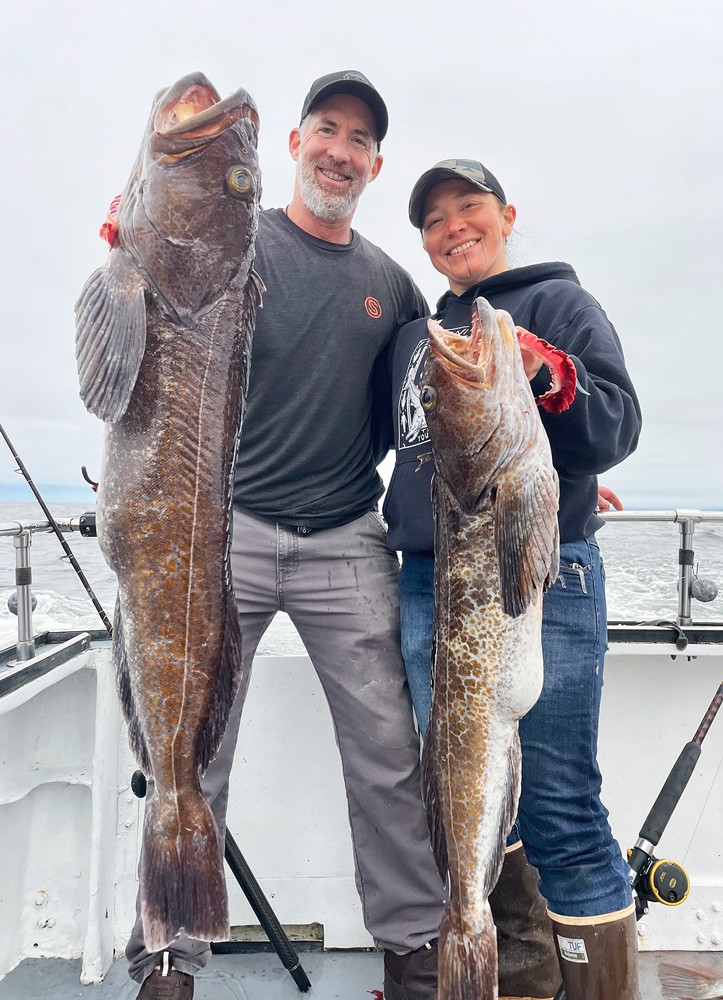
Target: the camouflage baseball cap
pixel 468 170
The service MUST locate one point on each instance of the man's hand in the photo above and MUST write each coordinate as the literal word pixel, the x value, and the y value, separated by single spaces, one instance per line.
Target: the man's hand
pixel 607 499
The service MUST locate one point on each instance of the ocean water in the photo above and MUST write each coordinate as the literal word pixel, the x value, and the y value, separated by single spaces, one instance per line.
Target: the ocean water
pixel 641 563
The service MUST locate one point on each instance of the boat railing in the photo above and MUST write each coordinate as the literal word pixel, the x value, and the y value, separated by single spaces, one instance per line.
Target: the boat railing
pixel 21 600
pixel 690 585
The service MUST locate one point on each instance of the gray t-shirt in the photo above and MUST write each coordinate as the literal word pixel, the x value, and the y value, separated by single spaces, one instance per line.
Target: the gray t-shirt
pixel 307 454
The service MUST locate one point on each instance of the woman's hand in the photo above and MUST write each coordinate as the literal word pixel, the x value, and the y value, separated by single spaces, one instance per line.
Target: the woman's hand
pixel 532 362
pixel 536 352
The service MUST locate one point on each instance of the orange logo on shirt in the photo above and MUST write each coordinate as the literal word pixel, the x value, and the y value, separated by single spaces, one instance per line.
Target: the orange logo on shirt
pixel 372 307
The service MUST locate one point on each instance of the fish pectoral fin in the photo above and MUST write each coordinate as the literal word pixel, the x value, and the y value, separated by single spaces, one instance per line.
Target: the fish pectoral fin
pixel 110 337
pixel 526 538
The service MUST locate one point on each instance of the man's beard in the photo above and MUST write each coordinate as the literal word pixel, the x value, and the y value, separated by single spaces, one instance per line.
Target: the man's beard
pixel 329 206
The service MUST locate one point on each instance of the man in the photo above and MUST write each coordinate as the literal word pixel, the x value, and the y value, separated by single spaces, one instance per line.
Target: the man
pixel 307 538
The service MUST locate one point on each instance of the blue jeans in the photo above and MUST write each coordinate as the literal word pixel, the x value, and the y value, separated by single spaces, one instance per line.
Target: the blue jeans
pixel 561 820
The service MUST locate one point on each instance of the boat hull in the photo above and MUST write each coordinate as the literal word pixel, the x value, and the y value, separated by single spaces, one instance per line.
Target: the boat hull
pixel 65 794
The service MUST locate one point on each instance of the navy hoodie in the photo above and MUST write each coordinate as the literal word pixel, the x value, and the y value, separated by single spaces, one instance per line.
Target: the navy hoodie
pixel 598 431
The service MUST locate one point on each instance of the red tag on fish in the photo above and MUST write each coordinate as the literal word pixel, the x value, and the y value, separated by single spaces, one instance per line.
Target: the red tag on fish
pixel 109 229
pixel 562 370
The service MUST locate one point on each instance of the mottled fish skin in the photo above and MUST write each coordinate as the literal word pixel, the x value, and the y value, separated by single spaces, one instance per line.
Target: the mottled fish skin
pixel 163 345
pixel 496 549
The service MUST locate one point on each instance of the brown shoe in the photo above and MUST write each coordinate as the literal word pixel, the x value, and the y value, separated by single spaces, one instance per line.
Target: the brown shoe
pixel 167 983
pixel 599 955
pixel 412 976
pixel 527 960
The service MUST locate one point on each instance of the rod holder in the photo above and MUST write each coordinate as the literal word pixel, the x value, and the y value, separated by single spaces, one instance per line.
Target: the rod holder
pixel 686 559
pixel 25 647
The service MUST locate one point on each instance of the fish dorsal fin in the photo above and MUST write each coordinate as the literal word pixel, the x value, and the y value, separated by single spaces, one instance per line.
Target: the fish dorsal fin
pixel 526 538
pixel 110 337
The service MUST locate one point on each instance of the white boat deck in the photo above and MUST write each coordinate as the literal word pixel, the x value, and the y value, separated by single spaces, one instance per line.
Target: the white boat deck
pixel 345 975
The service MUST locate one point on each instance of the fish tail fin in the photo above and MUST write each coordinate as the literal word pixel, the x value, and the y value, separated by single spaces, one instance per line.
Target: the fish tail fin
pixel 183 887
pixel 467 959
pixel 228 678
pixel 433 804
pixel 680 981
pixel 136 738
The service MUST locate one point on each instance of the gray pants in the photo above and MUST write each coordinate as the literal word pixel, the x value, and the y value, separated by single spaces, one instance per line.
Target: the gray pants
pixel 339 587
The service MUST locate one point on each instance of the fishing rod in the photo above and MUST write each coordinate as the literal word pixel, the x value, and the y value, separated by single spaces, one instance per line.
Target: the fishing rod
pixel 53 524
pixel 653 880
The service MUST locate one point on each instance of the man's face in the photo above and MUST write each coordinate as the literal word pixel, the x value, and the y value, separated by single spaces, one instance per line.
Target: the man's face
pixel 336 156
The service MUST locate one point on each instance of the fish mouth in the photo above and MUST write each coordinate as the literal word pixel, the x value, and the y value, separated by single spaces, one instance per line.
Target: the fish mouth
pixel 461 356
pixel 471 358
pixel 191 114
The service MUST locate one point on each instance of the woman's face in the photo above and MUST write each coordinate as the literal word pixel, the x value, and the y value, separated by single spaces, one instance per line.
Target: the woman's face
pixel 464 232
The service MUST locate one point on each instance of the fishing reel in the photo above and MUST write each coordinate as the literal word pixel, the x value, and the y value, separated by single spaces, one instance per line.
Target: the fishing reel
pixel 659 881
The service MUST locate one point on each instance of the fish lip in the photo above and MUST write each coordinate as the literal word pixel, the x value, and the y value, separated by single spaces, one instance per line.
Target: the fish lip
pixel 180 138
pixel 237 105
pixel 442 347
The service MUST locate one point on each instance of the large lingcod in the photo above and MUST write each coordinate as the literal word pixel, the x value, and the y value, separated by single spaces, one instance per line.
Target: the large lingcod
pixel 163 348
pixel 496 550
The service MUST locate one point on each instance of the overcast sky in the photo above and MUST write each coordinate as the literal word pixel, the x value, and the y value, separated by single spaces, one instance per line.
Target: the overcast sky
pixel 599 119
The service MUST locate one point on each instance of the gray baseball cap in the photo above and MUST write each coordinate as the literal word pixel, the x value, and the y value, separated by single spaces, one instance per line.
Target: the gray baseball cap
pixel 349 81
pixel 467 170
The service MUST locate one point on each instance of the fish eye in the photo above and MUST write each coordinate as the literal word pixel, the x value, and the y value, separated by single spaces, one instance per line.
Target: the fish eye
pixel 428 398
pixel 240 182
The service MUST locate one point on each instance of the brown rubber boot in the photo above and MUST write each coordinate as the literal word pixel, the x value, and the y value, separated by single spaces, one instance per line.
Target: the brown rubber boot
pixel 527 960
pixel 598 955
pixel 412 976
pixel 166 983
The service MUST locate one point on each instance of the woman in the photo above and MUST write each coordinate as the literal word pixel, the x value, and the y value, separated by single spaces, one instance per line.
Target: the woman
pixel 465 220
